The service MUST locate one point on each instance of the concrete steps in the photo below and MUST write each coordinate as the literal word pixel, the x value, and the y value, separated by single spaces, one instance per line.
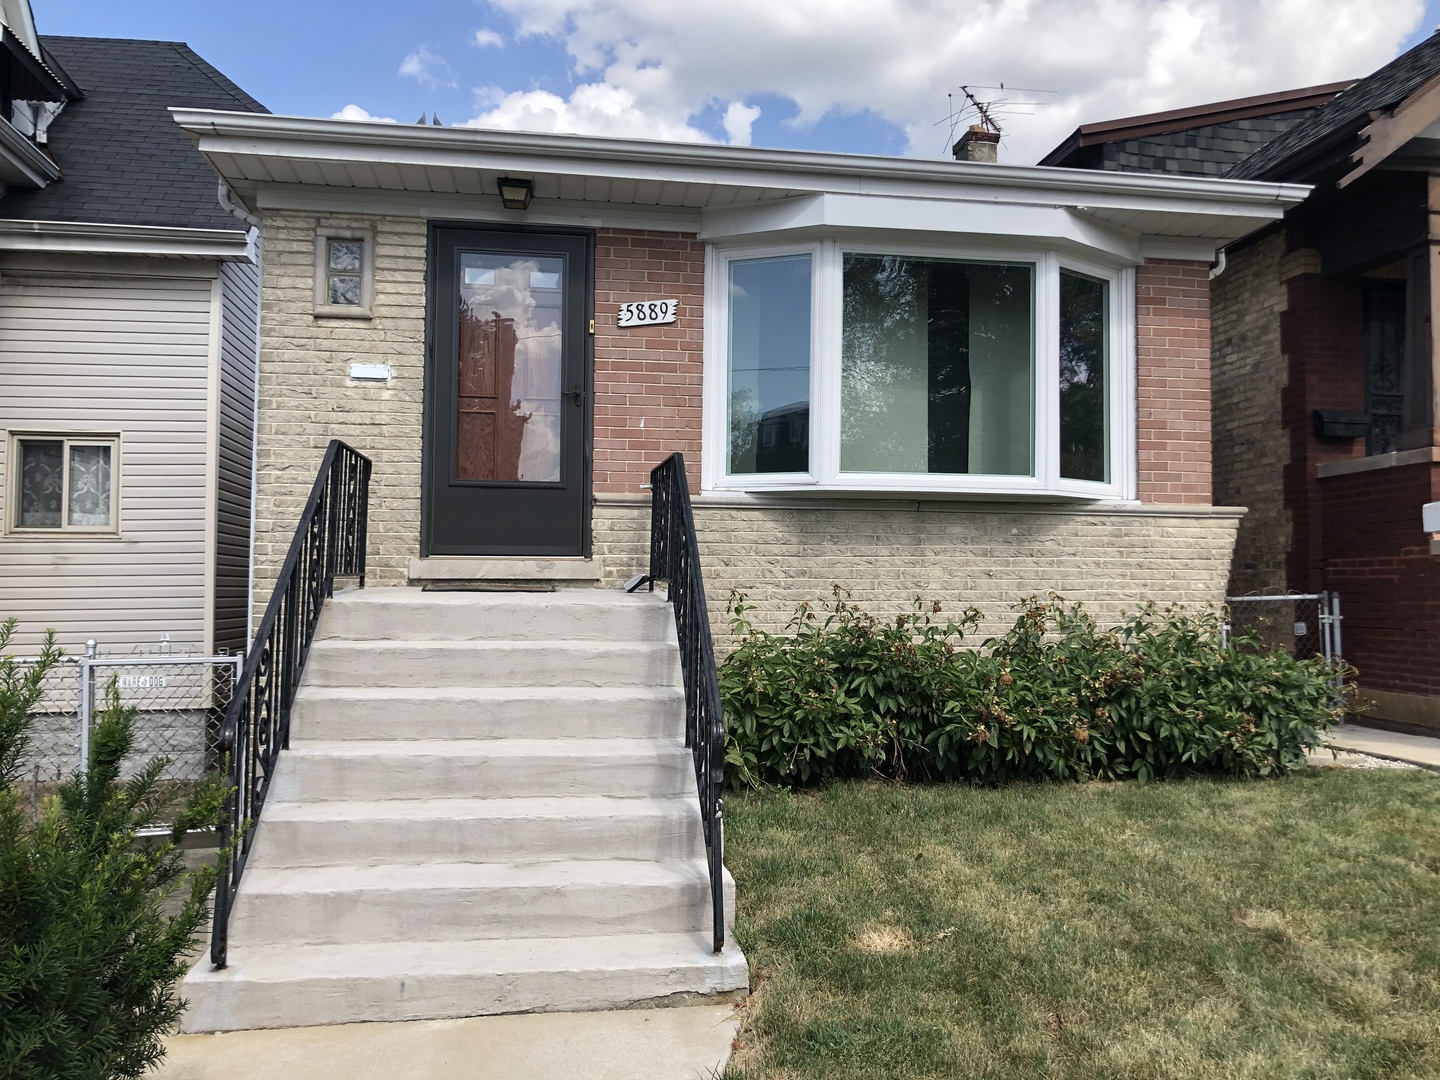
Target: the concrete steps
pixel 486 807
pixel 284 986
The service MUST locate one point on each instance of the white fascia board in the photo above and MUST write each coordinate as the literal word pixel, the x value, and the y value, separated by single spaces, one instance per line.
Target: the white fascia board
pixel 833 214
pixel 89 238
pixel 1178 247
pixel 219 135
pixel 22 161
pixel 315 198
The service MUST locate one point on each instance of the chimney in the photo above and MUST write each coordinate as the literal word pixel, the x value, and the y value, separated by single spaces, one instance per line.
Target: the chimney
pixel 978 144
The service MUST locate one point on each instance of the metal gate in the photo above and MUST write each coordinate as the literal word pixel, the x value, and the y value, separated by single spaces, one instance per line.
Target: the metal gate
pixel 1306 625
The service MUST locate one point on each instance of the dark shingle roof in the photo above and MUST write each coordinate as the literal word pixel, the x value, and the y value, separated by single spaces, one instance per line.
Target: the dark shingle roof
pixel 124 160
pixel 1346 114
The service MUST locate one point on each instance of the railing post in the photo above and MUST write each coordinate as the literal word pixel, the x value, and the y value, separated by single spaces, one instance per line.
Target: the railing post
pixel 87 699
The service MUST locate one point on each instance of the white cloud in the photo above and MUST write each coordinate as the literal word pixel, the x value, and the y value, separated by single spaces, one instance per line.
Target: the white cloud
pixel 652 67
pixel 429 70
pixel 355 112
pixel 487 39
pixel 738 120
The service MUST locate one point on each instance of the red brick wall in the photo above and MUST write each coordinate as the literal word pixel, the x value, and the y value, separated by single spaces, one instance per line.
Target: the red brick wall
pixel 652 376
pixel 647 378
pixel 1379 561
pixel 1172 315
pixel 1320 337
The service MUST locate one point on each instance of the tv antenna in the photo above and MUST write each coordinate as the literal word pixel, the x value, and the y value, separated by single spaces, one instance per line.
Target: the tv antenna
pixel 987 113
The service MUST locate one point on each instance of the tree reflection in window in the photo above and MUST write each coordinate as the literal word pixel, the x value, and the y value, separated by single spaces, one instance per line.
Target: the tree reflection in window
pixel 1084 345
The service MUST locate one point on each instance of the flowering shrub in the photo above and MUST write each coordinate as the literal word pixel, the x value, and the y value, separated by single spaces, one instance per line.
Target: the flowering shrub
pixel 1057 697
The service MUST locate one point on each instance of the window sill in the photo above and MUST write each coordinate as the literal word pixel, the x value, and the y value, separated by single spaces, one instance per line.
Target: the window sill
pixel 328 311
pixel 861 489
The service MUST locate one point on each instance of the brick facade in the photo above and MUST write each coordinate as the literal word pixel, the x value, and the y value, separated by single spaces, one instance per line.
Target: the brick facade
pixel 1172 321
pixel 1250 447
pixel 648 384
pixel 1379 561
pixel 1320 337
pixel 647 378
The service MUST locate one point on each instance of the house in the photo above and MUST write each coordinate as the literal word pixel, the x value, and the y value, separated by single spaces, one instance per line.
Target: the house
pixel 1324 358
pixel 966 381
pixel 129 297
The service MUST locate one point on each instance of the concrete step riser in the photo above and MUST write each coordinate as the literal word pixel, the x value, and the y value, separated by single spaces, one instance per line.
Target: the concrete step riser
pixel 496 621
pixel 307 778
pixel 314 717
pixel 311 1001
pixel 480 664
pixel 376 842
pixel 376 915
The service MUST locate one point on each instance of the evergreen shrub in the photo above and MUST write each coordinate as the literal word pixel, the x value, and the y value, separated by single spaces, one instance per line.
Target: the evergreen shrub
pixel 92 944
pixel 1162 695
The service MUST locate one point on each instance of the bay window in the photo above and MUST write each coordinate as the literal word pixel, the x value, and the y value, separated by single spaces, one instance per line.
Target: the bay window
pixel 867 367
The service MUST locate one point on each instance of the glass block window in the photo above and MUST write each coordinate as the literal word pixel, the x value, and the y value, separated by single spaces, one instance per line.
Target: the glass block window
pixel 344 272
pixel 63 483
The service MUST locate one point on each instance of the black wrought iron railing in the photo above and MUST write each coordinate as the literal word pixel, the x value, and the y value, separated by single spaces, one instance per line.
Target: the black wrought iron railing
pixel 329 543
pixel 675 560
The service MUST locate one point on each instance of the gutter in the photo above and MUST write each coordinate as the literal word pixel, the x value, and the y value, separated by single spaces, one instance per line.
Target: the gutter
pixel 94 238
pixel 291 136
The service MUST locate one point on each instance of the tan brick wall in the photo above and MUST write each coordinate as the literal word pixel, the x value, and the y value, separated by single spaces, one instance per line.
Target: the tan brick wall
pixel 306 397
pixel 647 378
pixel 989 556
pixel 1250 445
pixel 1172 315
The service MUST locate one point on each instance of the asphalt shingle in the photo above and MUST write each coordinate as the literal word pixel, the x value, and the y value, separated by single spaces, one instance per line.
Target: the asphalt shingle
pixel 124 160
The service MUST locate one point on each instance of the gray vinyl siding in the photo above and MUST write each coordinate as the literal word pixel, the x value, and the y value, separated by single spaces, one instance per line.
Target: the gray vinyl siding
pixel 239 352
pixel 111 355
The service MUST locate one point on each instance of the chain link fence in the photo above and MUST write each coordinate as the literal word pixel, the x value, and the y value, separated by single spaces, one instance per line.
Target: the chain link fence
pixel 1306 625
pixel 179 701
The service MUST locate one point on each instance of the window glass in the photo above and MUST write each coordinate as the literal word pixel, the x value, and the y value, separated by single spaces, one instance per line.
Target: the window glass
pixel 936 366
pixel 344 266
pixel 1084 348
pixel 89 497
pixel 769 365
pixel 42 479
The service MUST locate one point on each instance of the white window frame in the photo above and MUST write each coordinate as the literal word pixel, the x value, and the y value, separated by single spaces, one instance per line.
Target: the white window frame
pixel 66 439
pixel 717 386
pixel 323 308
pixel 825 375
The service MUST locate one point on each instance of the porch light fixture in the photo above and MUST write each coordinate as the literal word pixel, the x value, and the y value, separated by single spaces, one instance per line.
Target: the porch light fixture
pixel 516 194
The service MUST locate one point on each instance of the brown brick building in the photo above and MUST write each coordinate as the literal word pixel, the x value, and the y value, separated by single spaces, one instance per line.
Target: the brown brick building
pixel 1326 416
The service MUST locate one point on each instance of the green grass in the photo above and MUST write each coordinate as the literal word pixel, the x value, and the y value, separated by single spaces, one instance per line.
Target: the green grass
pixel 1269 929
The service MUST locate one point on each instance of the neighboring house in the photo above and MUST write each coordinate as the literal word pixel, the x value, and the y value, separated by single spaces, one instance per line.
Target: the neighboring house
pixel 129 300
pixel 965 381
pixel 1327 425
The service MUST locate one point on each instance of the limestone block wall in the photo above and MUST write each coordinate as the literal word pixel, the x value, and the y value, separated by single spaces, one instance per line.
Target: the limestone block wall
pixel 962 554
pixel 1249 373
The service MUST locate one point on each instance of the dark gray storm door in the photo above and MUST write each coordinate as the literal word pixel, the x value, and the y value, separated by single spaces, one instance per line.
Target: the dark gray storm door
pixel 508 401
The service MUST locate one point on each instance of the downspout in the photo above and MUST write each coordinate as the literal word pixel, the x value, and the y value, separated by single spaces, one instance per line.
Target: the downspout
pixel 1219 267
pixel 227 200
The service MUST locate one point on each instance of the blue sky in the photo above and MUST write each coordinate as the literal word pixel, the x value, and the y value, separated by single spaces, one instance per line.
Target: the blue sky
pixel 865 76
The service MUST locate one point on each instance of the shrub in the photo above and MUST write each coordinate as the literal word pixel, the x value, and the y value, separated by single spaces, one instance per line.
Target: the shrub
pixel 89 957
pixel 1057 697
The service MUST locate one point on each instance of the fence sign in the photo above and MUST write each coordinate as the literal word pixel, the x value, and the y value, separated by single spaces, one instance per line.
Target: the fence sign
pixel 141 682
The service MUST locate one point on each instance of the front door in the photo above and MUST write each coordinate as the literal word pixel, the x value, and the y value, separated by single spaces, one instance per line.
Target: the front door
pixel 507 393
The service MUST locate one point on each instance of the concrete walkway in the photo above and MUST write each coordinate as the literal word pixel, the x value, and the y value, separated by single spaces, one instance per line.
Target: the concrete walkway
pixel 1418 750
pixel 641 1044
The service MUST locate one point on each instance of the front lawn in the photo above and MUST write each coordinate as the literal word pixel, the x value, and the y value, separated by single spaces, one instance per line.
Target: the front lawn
pixel 1202 929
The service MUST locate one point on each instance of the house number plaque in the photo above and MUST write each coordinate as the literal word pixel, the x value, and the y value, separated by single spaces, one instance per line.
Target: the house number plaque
pixel 648 313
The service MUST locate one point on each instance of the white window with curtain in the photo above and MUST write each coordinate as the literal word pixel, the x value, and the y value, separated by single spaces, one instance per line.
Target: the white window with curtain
pixel 63 484
pixel 907 368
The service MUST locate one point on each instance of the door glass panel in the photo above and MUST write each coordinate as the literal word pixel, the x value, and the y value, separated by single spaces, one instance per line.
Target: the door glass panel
pixel 42 483
pixel 508 401
pixel 90 486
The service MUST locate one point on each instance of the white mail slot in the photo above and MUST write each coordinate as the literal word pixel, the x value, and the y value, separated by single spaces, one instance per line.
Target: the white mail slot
pixel 370 372
pixel 647 312
pixel 1430 516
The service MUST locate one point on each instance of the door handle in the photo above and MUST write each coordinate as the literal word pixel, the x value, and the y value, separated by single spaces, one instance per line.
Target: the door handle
pixel 577 394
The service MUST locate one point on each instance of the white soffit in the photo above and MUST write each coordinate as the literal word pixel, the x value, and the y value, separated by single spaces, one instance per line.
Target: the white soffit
pixel 826 214
pixel 254 151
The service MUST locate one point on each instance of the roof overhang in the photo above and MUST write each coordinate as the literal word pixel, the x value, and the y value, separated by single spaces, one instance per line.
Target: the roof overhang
pixel 86 238
pixel 277 160
pixel 22 163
